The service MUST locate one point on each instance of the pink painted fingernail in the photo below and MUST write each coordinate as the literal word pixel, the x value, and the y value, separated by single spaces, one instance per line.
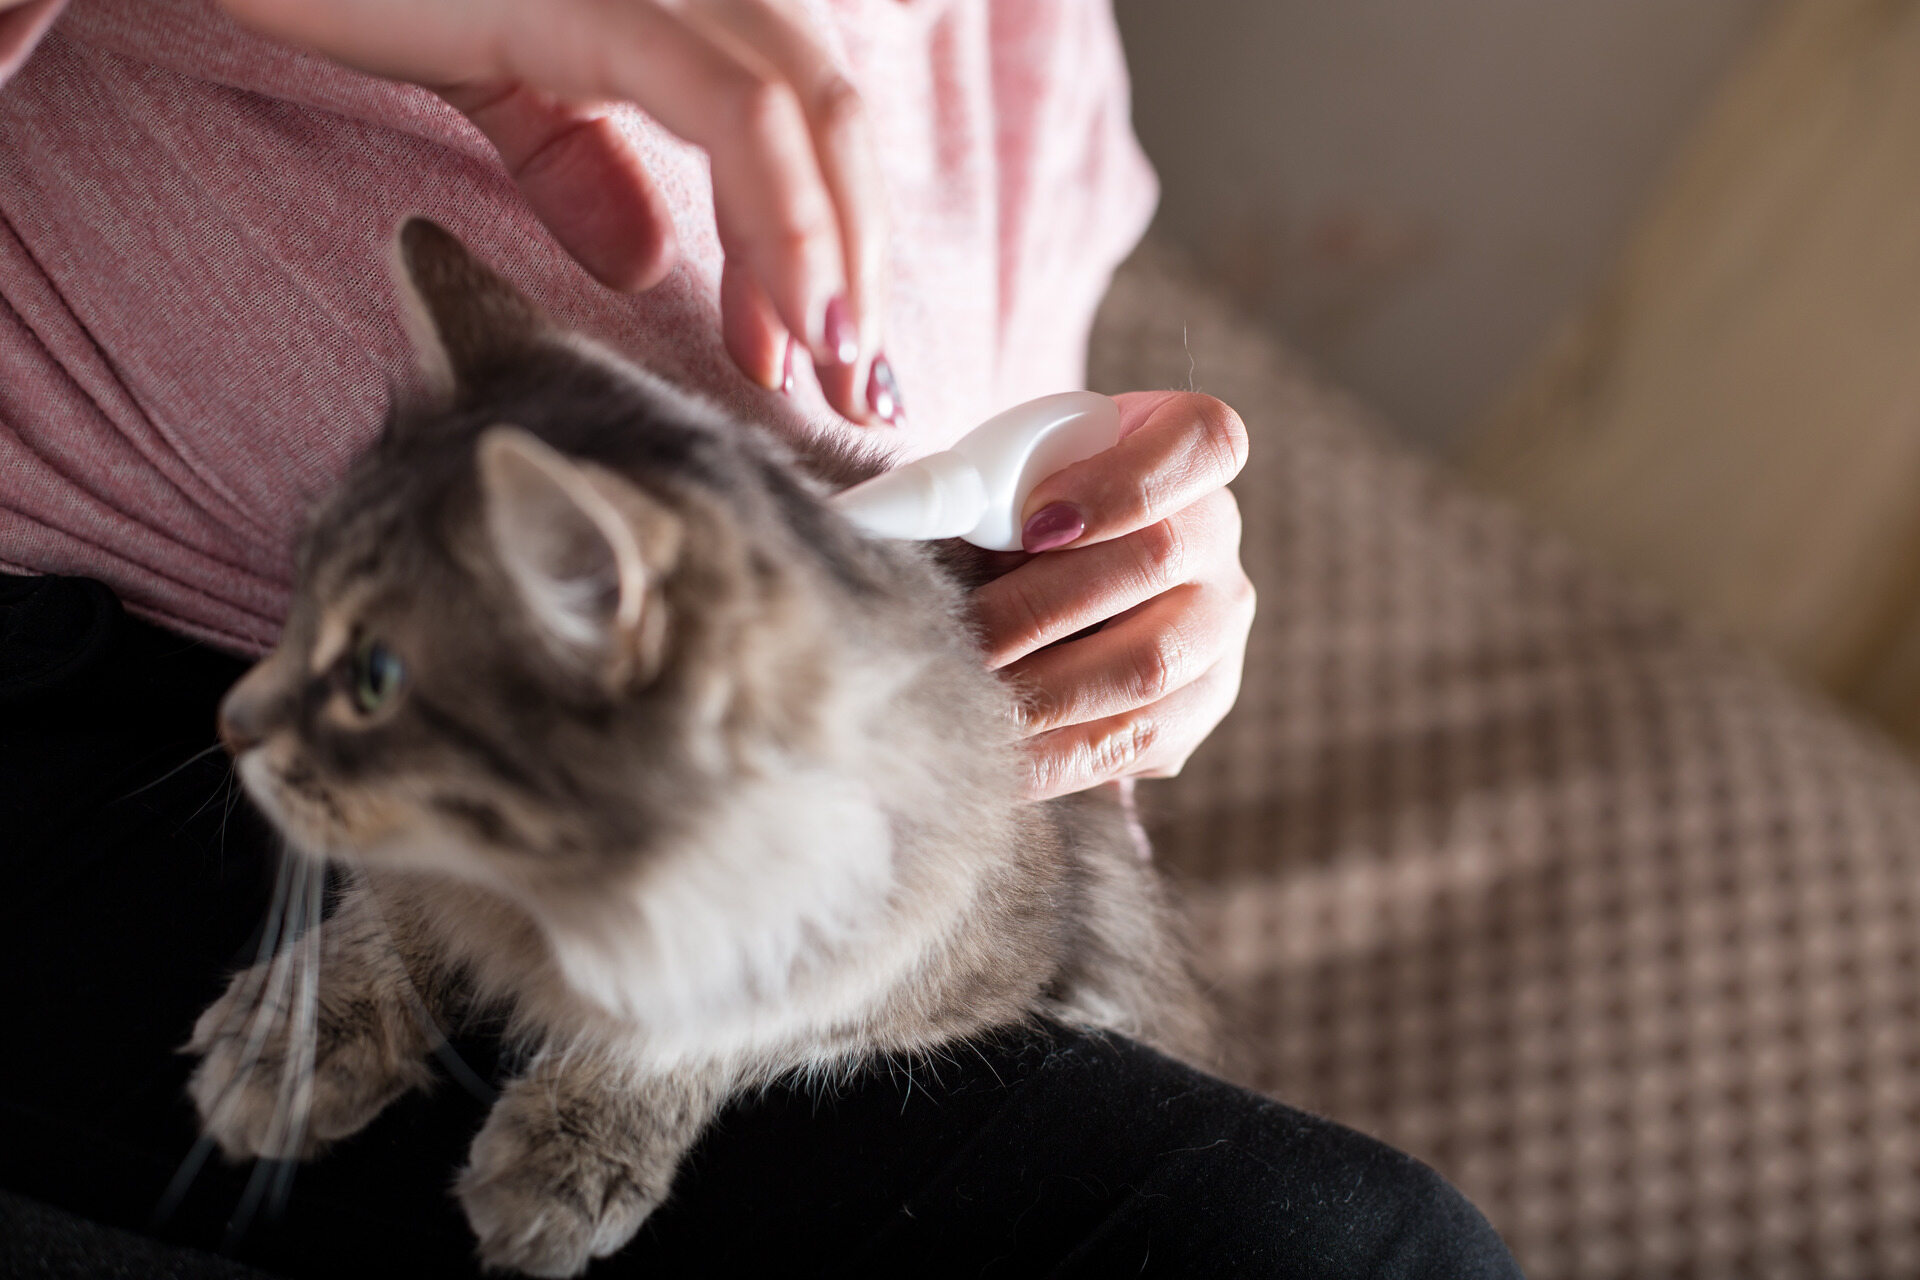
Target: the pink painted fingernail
pixel 883 393
pixel 786 369
pixel 840 333
pixel 1054 525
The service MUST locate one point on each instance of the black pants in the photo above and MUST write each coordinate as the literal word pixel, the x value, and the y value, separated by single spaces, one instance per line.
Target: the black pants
pixel 133 877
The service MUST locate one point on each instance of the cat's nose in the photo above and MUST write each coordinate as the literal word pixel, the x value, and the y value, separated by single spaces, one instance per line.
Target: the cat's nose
pixel 240 723
pixel 248 711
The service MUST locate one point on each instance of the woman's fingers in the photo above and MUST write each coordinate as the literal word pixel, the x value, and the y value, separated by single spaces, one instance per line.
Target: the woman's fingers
pixel 774 210
pixel 581 178
pixel 755 338
pixel 424 41
pixel 1136 697
pixel 1133 661
pixel 22 22
pixel 844 149
pixel 1127 664
pixel 797 192
pixel 1149 742
pixel 1143 541
pixel 1175 448
pixel 1052 596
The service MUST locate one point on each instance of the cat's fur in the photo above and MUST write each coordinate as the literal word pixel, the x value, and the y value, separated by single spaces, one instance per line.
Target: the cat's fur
pixel 696 784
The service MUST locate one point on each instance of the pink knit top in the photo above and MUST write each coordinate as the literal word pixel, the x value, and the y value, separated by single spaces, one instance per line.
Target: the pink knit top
pixel 196 330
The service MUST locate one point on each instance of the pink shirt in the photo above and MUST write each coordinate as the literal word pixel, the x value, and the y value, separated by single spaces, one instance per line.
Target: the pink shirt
pixel 196 331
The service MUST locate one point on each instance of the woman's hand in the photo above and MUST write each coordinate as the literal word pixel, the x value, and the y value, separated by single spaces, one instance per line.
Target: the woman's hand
pixel 21 24
pixel 796 185
pixel 1146 539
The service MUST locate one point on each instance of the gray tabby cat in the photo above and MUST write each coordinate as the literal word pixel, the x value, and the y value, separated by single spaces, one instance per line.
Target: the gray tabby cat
pixel 624 734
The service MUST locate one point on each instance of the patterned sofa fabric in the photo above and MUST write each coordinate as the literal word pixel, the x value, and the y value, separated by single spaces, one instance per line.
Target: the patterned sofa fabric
pixel 1501 861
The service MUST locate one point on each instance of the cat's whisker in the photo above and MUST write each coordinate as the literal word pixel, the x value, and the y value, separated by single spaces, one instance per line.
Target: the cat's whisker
pixel 297 1085
pixel 278 976
pixel 293 957
pixel 254 978
pixel 182 1181
pixel 190 761
pixel 219 791
pixel 234 797
pixel 462 1072
pixel 441 1043
pixel 907 1069
pixel 264 1172
pixel 249 984
pixel 280 1190
pixel 196 1158
pixel 285 964
pixel 955 1062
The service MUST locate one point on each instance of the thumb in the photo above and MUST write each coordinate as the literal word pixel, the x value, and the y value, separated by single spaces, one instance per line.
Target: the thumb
pixel 21 26
pixel 581 177
pixel 1175 447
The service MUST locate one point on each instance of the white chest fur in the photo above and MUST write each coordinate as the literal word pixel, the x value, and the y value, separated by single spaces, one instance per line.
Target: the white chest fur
pixel 768 928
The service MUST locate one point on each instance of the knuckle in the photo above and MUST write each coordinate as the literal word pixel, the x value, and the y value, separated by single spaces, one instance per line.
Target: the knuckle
pixel 837 107
pixel 1050 772
pixel 1151 669
pixel 1222 433
pixel 1028 610
pixel 1160 553
pixel 1215 524
pixel 1118 750
pixel 1224 509
pixel 791 241
pixel 1151 492
pixel 764 109
pixel 798 236
pixel 1245 597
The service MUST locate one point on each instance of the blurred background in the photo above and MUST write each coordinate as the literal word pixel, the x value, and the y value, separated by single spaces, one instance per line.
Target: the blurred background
pixel 1650 269
pixel 1567 833
pixel 1414 193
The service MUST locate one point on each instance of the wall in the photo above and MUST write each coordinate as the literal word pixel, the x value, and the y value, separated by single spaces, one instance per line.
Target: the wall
pixel 1735 417
pixel 1413 191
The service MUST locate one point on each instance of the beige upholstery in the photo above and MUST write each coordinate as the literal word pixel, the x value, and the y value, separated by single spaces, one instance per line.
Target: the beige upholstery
pixel 1500 862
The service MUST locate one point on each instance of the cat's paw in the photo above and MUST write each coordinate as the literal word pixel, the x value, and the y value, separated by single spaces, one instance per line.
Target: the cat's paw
pixel 546 1197
pixel 261 1093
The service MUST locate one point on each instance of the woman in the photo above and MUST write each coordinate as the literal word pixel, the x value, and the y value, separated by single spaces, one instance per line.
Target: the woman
pixel 826 209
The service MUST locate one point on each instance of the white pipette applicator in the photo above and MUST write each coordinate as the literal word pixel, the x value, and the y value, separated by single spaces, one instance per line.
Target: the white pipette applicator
pixel 977 489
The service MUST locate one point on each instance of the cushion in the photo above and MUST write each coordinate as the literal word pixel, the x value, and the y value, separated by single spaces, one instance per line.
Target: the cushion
pixel 1500 860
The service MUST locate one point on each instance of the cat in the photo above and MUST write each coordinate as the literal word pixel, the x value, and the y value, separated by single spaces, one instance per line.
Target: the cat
pixel 621 734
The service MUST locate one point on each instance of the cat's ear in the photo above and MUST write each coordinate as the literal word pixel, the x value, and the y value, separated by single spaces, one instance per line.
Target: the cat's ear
pixel 461 317
pixel 582 549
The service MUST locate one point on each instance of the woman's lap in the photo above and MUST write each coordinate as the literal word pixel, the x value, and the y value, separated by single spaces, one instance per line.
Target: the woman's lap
pixel 130 898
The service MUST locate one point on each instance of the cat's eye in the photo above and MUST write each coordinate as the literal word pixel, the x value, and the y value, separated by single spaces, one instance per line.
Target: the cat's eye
pixel 378 674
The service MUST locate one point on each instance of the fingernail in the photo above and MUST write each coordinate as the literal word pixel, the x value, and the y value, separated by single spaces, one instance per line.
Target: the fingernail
pixel 840 333
pixel 883 393
pixel 1054 525
pixel 786 369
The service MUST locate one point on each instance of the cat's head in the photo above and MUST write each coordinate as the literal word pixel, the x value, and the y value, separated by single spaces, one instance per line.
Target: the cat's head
pixel 552 618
